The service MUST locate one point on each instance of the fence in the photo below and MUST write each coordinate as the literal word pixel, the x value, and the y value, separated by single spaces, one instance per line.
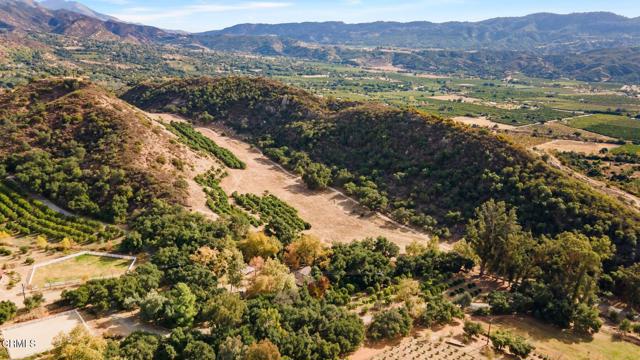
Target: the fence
pixel 67 257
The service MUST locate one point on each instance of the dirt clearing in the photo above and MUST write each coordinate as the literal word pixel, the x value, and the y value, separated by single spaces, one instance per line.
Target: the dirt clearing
pixel 332 215
pixel 482 121
pixel 576 146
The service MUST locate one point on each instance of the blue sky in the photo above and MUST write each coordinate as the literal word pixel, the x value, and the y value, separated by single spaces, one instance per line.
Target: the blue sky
pixel 201 15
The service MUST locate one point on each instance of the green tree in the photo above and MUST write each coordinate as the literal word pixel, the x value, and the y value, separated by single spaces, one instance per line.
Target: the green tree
pixel 139 345
pixel 7 311
pixel 488 233
pixel 390 324
pixel 316 176
pixel 180 308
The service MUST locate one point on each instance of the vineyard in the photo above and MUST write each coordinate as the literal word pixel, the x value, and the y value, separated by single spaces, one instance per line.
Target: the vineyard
pixel 282 220
pixel 192 138
pixel 28 217
pixel 217 199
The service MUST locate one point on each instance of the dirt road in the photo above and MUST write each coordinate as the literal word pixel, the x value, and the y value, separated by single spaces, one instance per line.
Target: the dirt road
pixel 596 184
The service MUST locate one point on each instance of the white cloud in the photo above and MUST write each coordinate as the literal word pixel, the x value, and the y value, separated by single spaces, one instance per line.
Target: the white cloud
pixel 142 15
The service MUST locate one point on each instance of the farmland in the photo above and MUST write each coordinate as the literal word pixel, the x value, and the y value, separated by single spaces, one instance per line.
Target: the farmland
pixel 616 126
pixel 27 217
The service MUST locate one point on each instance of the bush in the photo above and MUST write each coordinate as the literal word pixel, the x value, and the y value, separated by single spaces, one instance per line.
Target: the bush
pixel 390 324
pixel 472 328
pixel 7 311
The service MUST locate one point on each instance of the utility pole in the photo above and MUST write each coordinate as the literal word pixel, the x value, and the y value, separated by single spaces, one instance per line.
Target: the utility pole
pixel 489 332
pixel 24 295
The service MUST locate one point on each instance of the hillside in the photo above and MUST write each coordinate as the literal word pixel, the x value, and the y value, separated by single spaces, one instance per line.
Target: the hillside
pixel 417 168
pixel 542 32
pixel 26 17
pixel 86 150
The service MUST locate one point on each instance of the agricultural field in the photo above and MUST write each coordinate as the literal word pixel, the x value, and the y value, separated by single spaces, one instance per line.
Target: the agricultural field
pixel 281 219
pixel 192 138
pixel 79 269
pixel 30 217
pixel 616 126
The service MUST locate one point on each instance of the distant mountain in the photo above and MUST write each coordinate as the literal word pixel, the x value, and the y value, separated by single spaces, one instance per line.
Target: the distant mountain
pixel 75 7
pixel 541 32
pixel 29 16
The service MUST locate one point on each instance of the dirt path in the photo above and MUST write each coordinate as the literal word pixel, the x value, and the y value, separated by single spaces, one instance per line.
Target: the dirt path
pixel 596 184
pixel 585 147
pixel 333 216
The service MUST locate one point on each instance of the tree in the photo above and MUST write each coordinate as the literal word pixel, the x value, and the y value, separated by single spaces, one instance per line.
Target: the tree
pixel 232 348
pixel 625 326
pixel 390 324
pixel 363 264
pixel 180 308
pixel 198 350
pixel 627 284
pixel 7 311
pixel 439 311
pixel 472 329
pixel 226 264
pixel 78 344
pixel 259 244
pixel 139 345
pixel 489 231
pixel 263 350
pixel 305 251
pixel 224 311
pixel 316 176
pixel 274 278
pixel 572 264
pixel 586 319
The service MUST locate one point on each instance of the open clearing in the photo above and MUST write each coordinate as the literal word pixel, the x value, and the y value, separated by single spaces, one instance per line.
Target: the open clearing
pixel 558 344
pixel 80 268
pixel 332 215
pixel 482 121
pixel 576 146
pixel 36 336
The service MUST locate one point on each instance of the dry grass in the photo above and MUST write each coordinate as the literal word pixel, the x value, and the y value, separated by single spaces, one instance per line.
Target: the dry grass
pixel 559 344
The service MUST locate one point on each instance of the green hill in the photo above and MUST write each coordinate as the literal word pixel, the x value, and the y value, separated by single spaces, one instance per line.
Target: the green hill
pixel 84 148
pixel 418 168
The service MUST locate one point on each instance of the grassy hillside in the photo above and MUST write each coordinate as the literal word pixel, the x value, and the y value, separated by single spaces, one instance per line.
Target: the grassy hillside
pixel 84 148
pixel 418 168
pixel 610 125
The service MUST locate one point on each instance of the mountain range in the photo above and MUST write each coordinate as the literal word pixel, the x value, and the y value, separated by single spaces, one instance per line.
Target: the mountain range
pixel 595 46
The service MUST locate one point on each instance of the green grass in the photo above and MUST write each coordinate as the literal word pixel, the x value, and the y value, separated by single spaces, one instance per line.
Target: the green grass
pixel 83 268
pixel 627 149
pixel 616 126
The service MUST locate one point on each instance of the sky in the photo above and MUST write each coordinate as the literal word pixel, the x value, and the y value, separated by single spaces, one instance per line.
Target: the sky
pixel 203 15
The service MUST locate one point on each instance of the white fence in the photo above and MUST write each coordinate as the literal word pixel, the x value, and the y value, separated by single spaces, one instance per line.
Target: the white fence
pixel 67 257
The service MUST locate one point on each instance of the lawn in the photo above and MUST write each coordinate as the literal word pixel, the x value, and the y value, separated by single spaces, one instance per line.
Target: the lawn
pixel 611 125
pixel 559 344
pixel 80 268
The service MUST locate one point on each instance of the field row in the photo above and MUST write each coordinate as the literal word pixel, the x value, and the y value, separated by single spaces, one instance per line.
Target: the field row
pixel 282 220
pixel 195 140
pixel 217 199
pixel 33 217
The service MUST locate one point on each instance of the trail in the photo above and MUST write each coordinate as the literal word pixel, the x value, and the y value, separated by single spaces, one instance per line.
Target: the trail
pixel 596 184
